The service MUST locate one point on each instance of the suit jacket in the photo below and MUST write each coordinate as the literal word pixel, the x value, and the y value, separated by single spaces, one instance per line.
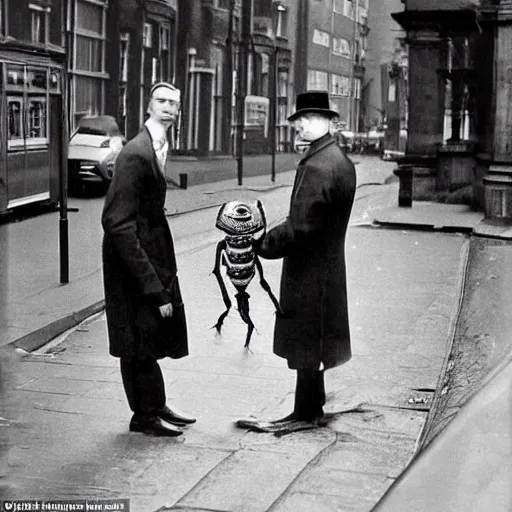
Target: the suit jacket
pixel 313 295
pixel 139 263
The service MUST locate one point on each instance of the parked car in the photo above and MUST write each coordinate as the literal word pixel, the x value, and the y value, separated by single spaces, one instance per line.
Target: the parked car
pixel 347 140
pixel 93 149
pixel 373 141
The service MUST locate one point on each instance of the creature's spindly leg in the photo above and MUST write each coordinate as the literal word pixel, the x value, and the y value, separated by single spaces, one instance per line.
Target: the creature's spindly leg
pixel 221 246
pixel 242 299
pixel 266 287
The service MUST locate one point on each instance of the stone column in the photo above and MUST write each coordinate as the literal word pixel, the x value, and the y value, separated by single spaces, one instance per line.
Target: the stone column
pixel 498 180
pixel 425 124
pixel 426 93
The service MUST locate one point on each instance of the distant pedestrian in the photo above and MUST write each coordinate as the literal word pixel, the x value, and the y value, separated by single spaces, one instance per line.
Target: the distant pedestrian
pixel 145 312
pixel 313 334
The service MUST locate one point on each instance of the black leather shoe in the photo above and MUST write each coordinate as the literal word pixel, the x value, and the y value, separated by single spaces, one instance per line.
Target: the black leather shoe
pixel 153 427
pixel 175 416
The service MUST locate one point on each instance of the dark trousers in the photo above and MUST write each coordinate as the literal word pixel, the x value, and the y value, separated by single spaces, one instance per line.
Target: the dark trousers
pixel 144 385
pixel 309 394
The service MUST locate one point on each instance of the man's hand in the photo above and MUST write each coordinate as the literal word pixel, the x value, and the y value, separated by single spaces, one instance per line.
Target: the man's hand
pixel 166 310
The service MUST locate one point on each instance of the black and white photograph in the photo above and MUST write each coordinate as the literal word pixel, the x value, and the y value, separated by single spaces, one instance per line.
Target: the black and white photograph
pixel 256 255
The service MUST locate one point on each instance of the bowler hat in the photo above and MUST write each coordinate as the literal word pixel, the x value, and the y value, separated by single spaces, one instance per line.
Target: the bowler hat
pixel 313 102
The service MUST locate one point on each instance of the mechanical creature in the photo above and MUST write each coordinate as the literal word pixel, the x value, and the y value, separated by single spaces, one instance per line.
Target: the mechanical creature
pixel 241 222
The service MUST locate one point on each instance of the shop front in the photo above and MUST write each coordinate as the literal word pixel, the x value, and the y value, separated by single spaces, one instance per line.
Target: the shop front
pixel 31 129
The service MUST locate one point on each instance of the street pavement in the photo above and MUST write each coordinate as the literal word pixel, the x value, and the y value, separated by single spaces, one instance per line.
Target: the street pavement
pixel 70 438
pixel 465 461
pixel 35 307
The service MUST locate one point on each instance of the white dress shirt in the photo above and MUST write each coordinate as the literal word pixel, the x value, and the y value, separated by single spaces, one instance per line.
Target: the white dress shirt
pixel 160 144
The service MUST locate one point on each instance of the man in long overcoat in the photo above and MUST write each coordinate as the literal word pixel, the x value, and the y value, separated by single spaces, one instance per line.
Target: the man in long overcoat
pixel 313 332
pixel 145 312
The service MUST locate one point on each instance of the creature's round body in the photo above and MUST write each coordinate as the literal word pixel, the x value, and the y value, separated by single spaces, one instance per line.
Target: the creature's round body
pixel 241 222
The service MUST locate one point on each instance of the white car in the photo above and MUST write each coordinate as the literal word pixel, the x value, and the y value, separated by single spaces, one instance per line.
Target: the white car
pixel 93 149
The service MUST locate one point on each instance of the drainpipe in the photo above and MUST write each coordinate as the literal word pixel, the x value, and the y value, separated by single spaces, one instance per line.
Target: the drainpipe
pixel 351 99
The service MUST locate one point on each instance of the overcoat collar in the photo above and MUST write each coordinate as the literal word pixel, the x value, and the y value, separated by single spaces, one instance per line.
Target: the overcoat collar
pixel 317 145
pixel 148 144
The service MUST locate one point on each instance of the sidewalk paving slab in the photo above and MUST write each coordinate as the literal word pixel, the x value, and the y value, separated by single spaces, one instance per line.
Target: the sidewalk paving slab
pixel 429 215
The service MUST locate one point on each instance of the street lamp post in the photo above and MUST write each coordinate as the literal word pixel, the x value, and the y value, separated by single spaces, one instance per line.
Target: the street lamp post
pixel 273 124
pixel 63 186
pixel 243 61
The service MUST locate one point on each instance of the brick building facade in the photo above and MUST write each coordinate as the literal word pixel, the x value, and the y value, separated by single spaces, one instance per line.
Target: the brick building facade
pixel 330 52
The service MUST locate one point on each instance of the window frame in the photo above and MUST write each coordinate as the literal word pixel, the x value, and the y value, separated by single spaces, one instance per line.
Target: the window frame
pixel 165 37
pixel 281 28
pixel 101 75
pixel 41 140
pixel 147 35
pixel 43 15
pixel 340 85
pixel 348 9
pixel 318 73
pixel 217 4
pixel 321 38
pixel 347 55
pixel 26 93
pixel 19 142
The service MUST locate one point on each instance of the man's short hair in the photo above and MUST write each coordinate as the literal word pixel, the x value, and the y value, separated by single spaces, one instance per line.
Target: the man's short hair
pixel 167 85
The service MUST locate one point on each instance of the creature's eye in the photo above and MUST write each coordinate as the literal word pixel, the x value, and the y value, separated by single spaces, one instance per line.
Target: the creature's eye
pixel 241 210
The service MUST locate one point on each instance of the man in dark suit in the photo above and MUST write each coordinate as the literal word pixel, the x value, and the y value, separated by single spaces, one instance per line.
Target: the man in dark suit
pixel 313 333
pixel 145 312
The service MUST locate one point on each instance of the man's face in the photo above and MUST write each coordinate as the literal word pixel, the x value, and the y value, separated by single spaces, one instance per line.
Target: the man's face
pixel 302 126
pixel 162 106
pixel 310 127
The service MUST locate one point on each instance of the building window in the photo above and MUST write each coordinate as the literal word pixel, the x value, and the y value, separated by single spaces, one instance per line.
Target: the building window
pixel 39 19
pixel 147 35
pixel 341 47
pixel 164 38
pixel 123 54
pixel 357 88
pixel 340 85
pixel 89 63
pixel 89 54
pixel 321 38
pixel 282 124
pixel 37 118
pixel 27 118
pixel 15 121
pixel 265 68
pixel 88 93
pixel 348 9
pixel 317 80
pixel 281 21
pixel 223 4
pixel 219 57
pixel 124 44
pixel 164 70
